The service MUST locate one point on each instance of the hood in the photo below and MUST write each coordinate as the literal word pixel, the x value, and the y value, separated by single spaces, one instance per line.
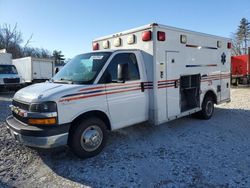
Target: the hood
pixel 45 91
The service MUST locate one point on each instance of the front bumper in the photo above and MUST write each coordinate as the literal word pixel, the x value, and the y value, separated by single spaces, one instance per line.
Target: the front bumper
pixel 41 137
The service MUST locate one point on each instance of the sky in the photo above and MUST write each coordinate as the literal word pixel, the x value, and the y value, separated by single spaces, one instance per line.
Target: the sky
pixel 71 25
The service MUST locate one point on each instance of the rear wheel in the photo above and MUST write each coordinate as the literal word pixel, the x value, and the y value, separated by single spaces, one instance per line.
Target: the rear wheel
pixel 207 108
pixel 88 138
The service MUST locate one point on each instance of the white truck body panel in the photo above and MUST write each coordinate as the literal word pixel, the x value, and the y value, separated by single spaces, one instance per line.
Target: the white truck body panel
pixel 34 68
pixel 5 58
pixel 199 55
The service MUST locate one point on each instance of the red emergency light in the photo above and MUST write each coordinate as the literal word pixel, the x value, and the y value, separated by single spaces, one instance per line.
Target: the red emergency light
pixel 146 35
pixel 95 46
pixel 161 36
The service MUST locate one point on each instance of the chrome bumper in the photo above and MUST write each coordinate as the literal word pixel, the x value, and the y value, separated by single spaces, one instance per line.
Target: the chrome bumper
pixel 44 141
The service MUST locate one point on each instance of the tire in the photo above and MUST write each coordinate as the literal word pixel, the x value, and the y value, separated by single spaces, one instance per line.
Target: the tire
pixel 207 109
pixel 88 138
pixel 237 82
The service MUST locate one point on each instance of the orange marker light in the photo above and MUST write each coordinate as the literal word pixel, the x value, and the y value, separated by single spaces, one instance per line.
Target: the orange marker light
pixel 48 121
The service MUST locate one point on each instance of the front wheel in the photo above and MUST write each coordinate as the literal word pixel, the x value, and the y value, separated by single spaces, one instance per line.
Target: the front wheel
pixel 88 138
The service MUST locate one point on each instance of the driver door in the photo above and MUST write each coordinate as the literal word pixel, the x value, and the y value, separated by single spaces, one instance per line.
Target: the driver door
pixel 126 100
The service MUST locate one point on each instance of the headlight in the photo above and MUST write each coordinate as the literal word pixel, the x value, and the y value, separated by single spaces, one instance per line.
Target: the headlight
pixel 43 107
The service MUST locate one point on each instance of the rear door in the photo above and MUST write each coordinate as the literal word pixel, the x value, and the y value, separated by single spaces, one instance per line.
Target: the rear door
pixel 127 102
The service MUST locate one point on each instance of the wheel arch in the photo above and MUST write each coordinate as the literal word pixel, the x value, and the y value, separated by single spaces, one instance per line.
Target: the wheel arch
pixel 94 113
pixel 212 94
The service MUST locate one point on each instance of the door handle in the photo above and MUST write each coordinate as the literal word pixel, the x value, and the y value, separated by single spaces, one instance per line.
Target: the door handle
pixel 176 84
pixel 142 87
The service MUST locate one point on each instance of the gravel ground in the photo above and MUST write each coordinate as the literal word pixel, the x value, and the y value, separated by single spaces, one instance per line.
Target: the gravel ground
pixel 183 153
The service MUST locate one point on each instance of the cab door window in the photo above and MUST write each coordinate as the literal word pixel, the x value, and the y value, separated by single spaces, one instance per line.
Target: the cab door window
pixel 127 61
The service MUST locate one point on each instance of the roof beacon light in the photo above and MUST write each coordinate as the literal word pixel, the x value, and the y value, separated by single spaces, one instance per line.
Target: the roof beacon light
pixel 183 39
pixel 161 36
pixel 219 44
pixel 117 42
pixel 146 36
pixel 105 44
pixel 95 46
pixel 131 39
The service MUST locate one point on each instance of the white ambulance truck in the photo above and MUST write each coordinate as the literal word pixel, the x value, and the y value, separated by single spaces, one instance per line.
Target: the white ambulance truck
pixel 153 74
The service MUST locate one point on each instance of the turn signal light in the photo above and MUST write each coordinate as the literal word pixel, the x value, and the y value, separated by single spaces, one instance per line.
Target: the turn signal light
pixel 48 121
pixel 146 35
pixel 161 36
pixel 95 46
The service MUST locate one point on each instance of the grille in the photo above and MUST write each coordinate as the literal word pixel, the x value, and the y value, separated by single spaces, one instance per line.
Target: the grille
pixel 21 105
pixel 11 80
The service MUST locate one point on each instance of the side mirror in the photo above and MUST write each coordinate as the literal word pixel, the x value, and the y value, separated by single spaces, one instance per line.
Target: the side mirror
pixel 122 72
pixel 57 70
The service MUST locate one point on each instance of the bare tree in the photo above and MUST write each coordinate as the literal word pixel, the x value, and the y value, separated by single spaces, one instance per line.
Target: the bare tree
pixel 11 40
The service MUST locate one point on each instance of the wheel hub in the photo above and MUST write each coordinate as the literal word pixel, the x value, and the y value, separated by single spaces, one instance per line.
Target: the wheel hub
pixel 91 138
pixel 209 108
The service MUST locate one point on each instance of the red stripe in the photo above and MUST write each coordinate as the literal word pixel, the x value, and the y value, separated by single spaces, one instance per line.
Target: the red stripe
pixel 216 76
pixel 215 79
pixel 99 94
pixel 113 92
pixel 108 86
pixel 148 88
pixel 82 97
pixel 167 80
pixel 86 89
pixel 159 87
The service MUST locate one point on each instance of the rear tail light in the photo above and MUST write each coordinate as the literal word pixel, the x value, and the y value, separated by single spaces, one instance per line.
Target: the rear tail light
pixel 95 46
pixel 229 45
pixel 146 35
pixel 161 36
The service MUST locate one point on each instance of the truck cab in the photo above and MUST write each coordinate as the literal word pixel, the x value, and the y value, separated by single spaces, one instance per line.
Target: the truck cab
pixel 107 88
pixel 9 77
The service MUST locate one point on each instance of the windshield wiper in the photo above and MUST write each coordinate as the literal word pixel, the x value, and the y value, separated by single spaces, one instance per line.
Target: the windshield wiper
pixel 63 80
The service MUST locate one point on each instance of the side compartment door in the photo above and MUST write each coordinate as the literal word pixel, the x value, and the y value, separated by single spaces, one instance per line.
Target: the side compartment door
pixel 127 102
pixel 225 86
pixel 172 83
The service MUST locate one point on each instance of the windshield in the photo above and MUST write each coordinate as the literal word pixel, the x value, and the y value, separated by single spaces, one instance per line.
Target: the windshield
pixel 82 69
pixel 8 69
